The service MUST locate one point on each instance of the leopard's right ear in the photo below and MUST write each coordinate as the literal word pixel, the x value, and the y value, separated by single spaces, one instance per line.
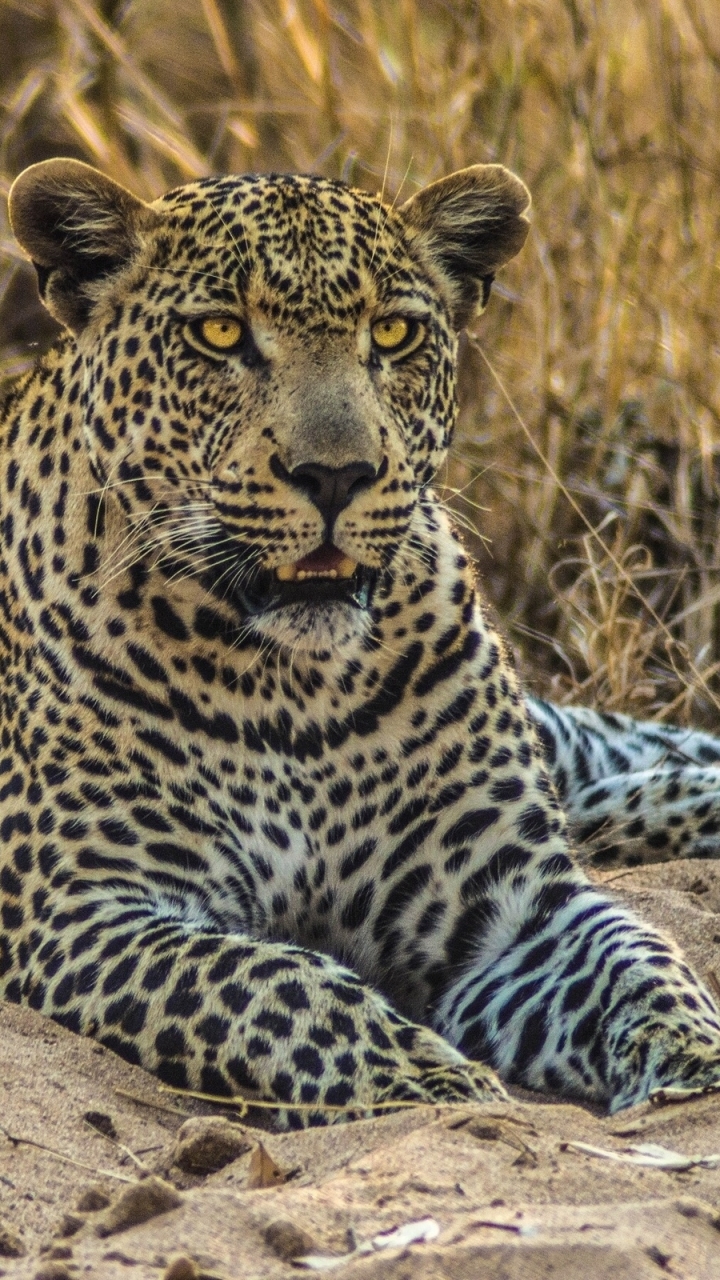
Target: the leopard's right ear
pixel 78 227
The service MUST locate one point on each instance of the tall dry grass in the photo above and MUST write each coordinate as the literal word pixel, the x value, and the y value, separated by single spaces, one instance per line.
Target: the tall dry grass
pixel 587 465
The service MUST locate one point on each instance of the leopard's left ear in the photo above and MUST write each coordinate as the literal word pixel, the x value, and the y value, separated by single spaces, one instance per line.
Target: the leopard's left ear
pixel 465 227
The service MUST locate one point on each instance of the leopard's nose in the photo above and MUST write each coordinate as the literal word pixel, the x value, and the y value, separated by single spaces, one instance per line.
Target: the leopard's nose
pixel 330 489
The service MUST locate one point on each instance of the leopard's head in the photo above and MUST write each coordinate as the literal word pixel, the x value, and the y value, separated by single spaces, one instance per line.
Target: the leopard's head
pixel 269 368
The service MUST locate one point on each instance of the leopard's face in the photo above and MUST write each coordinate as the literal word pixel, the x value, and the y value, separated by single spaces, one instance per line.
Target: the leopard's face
pixel 269 375
pixel 283 385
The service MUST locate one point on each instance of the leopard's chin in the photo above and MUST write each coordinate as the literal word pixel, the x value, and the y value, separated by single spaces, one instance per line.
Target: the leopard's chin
pixel 318 627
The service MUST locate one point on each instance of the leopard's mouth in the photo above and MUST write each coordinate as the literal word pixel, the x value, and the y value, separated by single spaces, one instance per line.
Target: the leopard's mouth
pixel 325 576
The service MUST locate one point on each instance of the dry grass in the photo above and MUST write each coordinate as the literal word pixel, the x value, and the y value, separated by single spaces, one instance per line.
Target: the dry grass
pixel 598 491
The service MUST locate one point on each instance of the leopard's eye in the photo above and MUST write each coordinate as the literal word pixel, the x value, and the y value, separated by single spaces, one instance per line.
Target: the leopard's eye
pixel 391 334
pixel 221 332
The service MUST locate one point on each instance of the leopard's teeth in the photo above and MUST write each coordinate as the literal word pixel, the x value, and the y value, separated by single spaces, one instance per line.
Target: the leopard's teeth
pixel 291 573
pixel 286 572
pixel 346 567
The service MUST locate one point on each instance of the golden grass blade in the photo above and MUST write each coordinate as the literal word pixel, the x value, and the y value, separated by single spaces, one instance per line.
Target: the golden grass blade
pixel 221 40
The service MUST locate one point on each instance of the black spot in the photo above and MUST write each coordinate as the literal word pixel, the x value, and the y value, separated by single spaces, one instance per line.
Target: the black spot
pixel 157 974
pixel 212 1081
pixel 339 1095
pixel 147 664
pixel 532 1039
pixel 170 1042
pixel 358 909
pixel 578 992
pixel 308 1059
pixel 400 897
pixel 213 1030
pixel 117 832
pixel 268 968
pixel 184 1000
pixel 586 1029
pixel 471 825
pixel 173 1073
pixel 292 994
pixel 357 858
pixel 120 975
pixel 533 824
pixel 124 1048
pixel 278 1024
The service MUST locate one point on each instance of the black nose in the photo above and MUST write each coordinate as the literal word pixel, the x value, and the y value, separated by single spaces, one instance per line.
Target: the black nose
pixel 330 489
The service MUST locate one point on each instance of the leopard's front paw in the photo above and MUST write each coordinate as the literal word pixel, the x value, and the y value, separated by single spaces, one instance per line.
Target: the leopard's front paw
pixel 437 1072
pixel 683 1076
pixel 690 1076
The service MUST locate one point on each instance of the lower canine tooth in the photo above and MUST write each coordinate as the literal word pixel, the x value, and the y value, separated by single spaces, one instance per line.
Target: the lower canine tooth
pixel 286 572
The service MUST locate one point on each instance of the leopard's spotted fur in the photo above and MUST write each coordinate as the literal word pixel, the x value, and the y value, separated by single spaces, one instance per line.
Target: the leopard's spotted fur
pixel 218 787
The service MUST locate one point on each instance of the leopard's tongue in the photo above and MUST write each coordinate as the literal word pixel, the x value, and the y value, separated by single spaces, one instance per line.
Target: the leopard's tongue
pixel 326 561
pixel 323 560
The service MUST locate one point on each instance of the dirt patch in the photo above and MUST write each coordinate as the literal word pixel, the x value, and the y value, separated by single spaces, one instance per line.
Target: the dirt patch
pixel 509 1193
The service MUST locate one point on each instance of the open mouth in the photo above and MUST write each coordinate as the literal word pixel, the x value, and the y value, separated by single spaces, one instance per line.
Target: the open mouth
pixel 324 576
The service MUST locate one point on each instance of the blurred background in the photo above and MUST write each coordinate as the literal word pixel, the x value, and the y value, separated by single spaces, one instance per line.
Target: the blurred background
pixel 586 471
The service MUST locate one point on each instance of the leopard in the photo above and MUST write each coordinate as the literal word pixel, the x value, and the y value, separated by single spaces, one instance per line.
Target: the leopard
pixel 277 818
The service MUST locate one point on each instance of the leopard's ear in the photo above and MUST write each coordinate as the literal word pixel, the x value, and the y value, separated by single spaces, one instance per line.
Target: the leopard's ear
pixel 78 227
pixel 465 226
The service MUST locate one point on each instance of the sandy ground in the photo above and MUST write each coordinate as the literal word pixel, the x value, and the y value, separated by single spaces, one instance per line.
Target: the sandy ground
pixel 507 1195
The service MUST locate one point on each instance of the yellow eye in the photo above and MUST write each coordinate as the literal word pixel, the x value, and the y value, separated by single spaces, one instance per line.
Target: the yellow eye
pixel 391 333
pixel 221 332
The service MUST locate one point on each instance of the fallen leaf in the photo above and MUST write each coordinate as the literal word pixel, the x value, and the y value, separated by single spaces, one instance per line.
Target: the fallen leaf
pixel 516 1228
pixel 649 1155
pixel 327 1261
pixel 263 1171
pixel 411 1233
pixel 674 1094
pixel 420 1232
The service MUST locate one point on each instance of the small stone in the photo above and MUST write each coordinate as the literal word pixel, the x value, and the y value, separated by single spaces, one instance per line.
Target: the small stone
pixel 69 1225
pixel 699 886
pixel 11 1246
pixel 287 1240
pixel 689 1207
pixel 486 1131
pixel 206 1144
pixel 102 1122
pixel 180 1267
pixel 52 1271
pixel 138 1203
pixel 93 1199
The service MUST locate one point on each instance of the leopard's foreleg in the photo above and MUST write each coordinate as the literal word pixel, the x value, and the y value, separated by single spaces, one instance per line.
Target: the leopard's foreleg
pixel 583 999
